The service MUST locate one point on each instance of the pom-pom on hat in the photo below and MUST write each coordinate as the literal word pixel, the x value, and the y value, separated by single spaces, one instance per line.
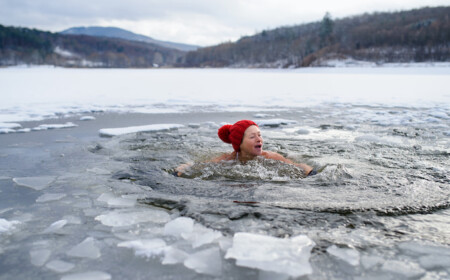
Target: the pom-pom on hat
pixel 233 134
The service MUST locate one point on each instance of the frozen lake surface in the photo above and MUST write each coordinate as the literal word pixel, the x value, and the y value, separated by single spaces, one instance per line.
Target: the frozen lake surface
pixel 74 205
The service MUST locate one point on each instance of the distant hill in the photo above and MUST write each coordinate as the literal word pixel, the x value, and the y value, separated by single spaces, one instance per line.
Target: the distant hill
pixel 114 32
pixel 31 46
pixel 409 36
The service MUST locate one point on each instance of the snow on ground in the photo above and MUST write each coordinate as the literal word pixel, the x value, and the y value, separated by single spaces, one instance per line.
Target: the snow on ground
pixel 53 92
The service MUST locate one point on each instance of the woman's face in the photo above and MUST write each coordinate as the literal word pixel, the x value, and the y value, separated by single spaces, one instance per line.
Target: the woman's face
pixel 252 142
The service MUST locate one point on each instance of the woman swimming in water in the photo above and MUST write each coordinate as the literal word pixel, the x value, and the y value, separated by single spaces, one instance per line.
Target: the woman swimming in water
pixel 247 142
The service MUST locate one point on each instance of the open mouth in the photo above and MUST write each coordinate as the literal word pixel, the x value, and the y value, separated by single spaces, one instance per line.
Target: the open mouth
pixel 258 146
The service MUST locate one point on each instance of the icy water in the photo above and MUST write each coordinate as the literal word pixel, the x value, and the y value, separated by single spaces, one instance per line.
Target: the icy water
pixel 109 208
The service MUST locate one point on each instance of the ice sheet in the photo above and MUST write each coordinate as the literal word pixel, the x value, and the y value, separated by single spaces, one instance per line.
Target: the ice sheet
pixel 145 247
pixel 59 266
pixel 50 197
pixel 86 249
pixel 120 218
pixel 348 255
pixel 221 90
pixel 37 183
pixel 110 132
pixel 208 261
pixel 90 275
pixel 286 256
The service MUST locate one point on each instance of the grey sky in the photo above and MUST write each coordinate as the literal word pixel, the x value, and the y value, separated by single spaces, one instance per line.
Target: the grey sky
pixel 200 22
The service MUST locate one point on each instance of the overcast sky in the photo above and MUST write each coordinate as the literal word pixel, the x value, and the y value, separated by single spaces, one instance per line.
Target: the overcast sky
pixel 198 22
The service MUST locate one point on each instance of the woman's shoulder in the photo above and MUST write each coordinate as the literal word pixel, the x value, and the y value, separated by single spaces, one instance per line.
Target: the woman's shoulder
pixel 272 155
pixel 226 156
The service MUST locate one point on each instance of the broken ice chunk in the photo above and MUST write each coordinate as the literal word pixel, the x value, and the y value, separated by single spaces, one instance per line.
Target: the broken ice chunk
pixel 91 275
pixel 173 255
pixel 55 226
pixel 39 256
pixel 407 269
pixel 207 261
pixel 201 235
pixel 127 218
pixel 179 226
pixel 59 266
pixel 37 183
pixel 50 197
pixel 287 256
pixel 85 249
pixel 6 225
pixel 145 247
pixel 350 256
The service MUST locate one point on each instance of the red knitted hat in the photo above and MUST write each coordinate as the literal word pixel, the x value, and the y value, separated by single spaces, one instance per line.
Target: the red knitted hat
pixel 233 134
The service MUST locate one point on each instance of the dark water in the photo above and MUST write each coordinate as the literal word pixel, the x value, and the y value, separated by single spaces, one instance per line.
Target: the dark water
pixel 381 197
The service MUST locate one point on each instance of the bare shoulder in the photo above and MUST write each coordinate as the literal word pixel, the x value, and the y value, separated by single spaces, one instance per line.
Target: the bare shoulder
pixel 227 156
pixel 275 156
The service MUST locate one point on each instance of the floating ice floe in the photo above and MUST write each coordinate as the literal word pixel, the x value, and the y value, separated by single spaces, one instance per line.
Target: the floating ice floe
pixel 208 261
pixel 59 266
pixel 173 255
pixel 275 122
pixel 348 255
pixel 90 275
pixel 55 226
pixel 122 218
pixel 145 247
pixel 87 118
pixel 257 251
pixel 112 200
pixel 50 197
pixel 85 249
pixel 37 183
pixel 10 126
pixel 54 126
pixel 110 132
pixel 194 233
pixel 407 269
pixel 39 257
pixel 6 225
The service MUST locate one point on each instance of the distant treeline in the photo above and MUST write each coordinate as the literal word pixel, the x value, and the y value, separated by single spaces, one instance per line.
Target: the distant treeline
pixel 416 35
pixel 409 36
pixel 31 46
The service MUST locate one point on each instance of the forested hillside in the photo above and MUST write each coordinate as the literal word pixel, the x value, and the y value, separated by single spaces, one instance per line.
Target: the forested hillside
pixel 416 35
pixel 31 46
pixel 408 36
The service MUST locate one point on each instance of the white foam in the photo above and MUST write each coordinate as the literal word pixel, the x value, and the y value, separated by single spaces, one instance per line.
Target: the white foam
pixel 145 247
pixel 90 275
pixel 39 256
pixel 6 225
pixel 50 197
pixel 86 249
pixel 207 261
pixel 257 251
pixel 59 266
pixel 110 132
pixel 122 218
pixel 37 183
pixel 348 255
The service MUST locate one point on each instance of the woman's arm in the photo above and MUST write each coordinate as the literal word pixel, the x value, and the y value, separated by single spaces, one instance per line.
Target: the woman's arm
pixel 276 156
